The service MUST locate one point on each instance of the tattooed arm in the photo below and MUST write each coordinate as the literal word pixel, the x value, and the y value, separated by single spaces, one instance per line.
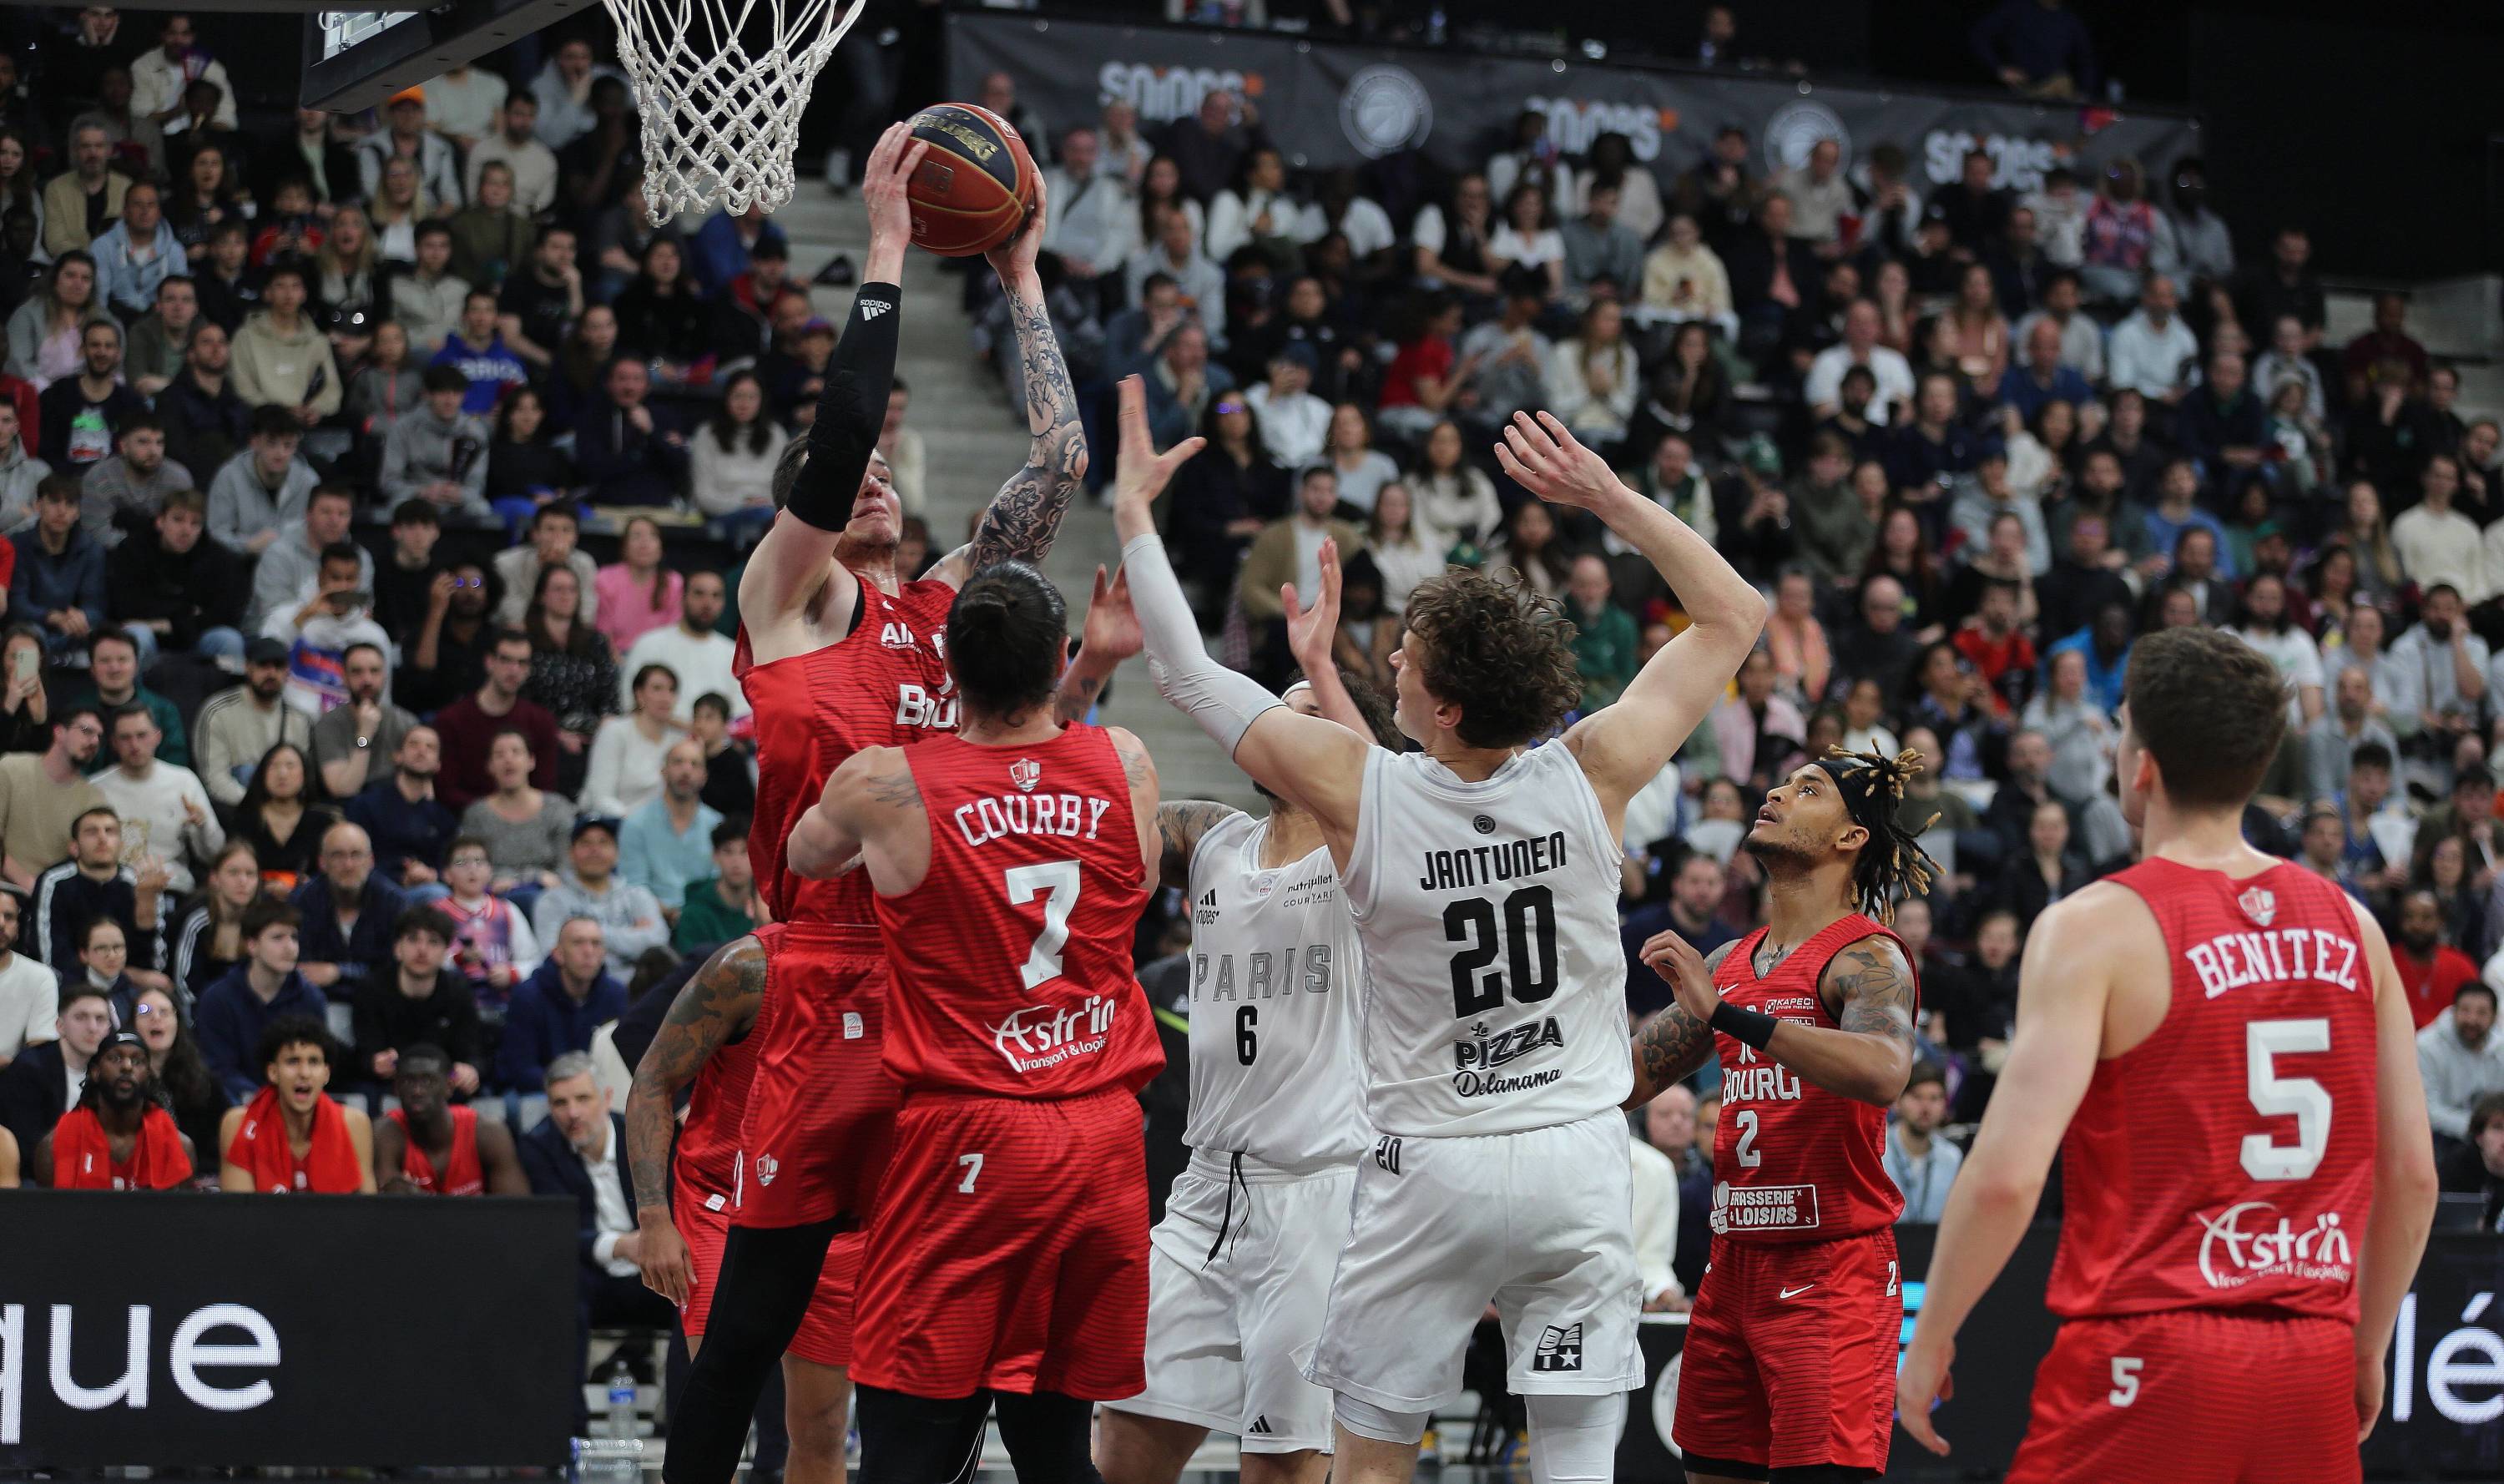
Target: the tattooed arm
pixel 1672 1044
pixel 717 1006
pixel 1025 516
pixel 872 790
pixel 1111 635
pixel 1870 988
pixel 1139 771
pixel 1180 824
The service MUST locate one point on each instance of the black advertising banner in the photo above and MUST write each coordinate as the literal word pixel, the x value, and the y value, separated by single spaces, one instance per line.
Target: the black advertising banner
pixel 1325 104
pixel 2442 1405
pixel 311 1331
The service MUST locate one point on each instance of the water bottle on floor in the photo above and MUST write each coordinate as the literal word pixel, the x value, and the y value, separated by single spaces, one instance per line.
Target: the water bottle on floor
pixel 614 1453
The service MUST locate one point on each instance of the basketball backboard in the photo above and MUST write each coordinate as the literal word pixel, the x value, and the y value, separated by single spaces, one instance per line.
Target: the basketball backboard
pixel 355 56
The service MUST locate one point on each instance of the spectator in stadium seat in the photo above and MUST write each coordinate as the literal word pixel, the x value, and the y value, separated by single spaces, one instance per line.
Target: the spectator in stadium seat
pixel 1923 1165
pixel 422 1001
pixel 514 147
pixel 437 453
pixel 93 883
pixel 136 254
pixel 1860 347
pixel 2041 377
pixel 493 947
pixel 563 93
pixel 476 349
pixel 1294 423
pixel 349 738
pixel 665 843
pixel 281 357
pixel 579 1150
pixel 624 770
pixel 21 472
pixel 2387 340
pixel 207 940
pixel 2152 352
pixel 225 278
pixel 124 492
pixel 177 824
pixel 1686 278
pixel 1601 250
pixel 406 136
pixel 348 912
pixel 1877 642
pixel 492 237
pixel 637 592
pixel 1692 909
pixel 239 725
pixel 428 299
pixel 291 565
pixel 2438 544
pixel 724 247
pixel 30 995
pixel 720 907
pixel 262 490
pixel 1093 215
pixel 540 305
pixel 409 828
pixel 630 453
pixel 629 916
pixel 596 171
pixel 83 200
pixel 1593 383
pixel 1199 285
pixel 159 76
pixel 689 649
pixel 291 1137
pixel 468 725
pixel 2075 724
pixel 45 1078
pixel 47 331
pixel 2046 867
pixel 1180 381
pixel 205 421
pixel 730 768
pixel 557 1008
pixel 318 625
pixel 2177 518
pixel 744 310
pixel 2478 1168
pixel 2223 422
pixel 554 531
pixel 1207 146
pixel 733 457
pixel 235 1012
pixel 82 412
pixel 2082 339
pixel 1758 730
pixel 2462 1061
pixel 662 318
pixel 1985 499
pixel 1803 664
pixel 58 587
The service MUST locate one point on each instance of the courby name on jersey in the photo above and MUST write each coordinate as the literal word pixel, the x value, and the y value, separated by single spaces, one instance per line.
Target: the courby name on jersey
pixel 2274 956
pixel 1500 861
pixel 998 816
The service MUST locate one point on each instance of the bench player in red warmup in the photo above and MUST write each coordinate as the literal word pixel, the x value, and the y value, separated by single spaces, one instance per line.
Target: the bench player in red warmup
pixel 1008 1258
pixel 838 652
pixel 1791 1345
pixel 2216 1043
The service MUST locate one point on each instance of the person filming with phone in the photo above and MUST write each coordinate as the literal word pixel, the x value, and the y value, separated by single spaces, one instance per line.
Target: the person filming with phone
pixel 319 625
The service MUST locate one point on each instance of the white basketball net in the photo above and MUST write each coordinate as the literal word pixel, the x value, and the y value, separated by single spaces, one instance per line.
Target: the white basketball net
pixel 720 124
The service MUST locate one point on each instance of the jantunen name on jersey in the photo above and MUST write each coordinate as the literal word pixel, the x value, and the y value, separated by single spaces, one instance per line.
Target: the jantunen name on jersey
pixel 1500 861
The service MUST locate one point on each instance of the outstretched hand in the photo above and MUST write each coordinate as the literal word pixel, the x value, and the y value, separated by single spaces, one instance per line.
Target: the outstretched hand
pixel 1545 458
pixel 1144 472
pixel 1311 630
pixel 1112 631
pixel 883 185
pixel 1015 258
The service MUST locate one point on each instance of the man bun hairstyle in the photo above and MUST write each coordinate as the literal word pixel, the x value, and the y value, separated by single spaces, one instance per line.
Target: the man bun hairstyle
pixel 1007 632
pixel 2212 710
pixel 1500 652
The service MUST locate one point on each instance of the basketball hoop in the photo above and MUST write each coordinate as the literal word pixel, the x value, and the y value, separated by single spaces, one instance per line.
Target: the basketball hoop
pixel 720 124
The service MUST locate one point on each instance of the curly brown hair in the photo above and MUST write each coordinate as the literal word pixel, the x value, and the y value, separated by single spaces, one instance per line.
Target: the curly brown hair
pixel 1499 651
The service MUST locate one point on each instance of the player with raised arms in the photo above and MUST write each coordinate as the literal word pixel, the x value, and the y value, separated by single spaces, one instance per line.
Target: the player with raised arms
pixel 1791 1350
pixel 1240 1268
pixel 2217 1045
pixel 839 652
pixel 1007 1262
pixel 1482 876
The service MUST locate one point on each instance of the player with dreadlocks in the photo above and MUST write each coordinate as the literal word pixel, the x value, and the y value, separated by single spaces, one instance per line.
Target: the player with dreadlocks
pixel 1789 1364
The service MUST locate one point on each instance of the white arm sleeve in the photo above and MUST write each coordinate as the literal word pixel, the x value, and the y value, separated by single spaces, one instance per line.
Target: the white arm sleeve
pixel 1222 701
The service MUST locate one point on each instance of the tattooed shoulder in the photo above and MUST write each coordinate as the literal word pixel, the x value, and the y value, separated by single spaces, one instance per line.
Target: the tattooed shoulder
pixel 897 789
pixel 1871 986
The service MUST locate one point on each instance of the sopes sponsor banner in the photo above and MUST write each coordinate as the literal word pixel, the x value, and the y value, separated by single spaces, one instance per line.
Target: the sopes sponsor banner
pixel 182 1331
pixel 1327 105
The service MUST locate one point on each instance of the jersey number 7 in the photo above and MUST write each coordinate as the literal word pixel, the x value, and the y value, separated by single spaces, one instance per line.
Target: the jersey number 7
pixel 1057 882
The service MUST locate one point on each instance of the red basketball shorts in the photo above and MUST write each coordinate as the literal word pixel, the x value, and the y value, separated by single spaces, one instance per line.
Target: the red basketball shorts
pixel 1010 1250
pixel 812 1140
pixel 826 1333
pixel 2194 1394
pixel 1790 1354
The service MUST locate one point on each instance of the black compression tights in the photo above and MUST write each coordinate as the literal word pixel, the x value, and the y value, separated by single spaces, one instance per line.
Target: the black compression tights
pixel 768 1276
pixel 916 1441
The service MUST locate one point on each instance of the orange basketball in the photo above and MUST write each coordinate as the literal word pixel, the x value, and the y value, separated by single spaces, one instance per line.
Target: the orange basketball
pixel 973 190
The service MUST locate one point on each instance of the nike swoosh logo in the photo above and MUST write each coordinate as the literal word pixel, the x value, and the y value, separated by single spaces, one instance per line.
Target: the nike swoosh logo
pixel 1795 1293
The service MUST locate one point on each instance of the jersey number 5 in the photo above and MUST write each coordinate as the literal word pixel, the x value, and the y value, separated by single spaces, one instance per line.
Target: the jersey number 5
pixel 2306 1100
pixel 1528 941
pixel 1057 882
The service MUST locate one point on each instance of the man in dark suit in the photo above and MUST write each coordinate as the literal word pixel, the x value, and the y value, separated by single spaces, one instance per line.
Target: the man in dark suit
pixel 43 1080
pixel 580 1151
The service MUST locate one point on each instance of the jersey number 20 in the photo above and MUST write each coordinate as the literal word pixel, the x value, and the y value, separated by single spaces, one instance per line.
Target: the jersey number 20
pixel 1527 942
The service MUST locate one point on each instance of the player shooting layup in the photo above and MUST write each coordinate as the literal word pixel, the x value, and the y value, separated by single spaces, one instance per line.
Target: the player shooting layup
pixel 1482 875
pixel 1792 1349
pixel 1239 1269
pixel 839 653
pixel 2217 1044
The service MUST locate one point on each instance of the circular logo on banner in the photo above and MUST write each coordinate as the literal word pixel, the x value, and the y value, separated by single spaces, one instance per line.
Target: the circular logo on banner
pixel 1664 1403
pixel 1795 128
pixel 1385 110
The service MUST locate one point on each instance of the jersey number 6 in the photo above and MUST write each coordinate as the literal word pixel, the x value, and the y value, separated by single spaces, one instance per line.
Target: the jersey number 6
pixel 1528 942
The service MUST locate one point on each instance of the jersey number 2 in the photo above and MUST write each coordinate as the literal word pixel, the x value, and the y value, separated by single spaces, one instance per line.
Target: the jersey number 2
pixel 1057 882
pixel 1529 934
pixel 2307 1100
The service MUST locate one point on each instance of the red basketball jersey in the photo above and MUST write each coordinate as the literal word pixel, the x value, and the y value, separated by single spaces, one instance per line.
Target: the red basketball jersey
pixel 1012 958
pixel 2227 1162
pixel 708 1149
pixel 1793 1163
pixel 461 1174
pixel 884 684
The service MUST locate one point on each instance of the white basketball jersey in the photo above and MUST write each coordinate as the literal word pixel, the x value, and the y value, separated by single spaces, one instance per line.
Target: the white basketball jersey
pixel 1275 979
pixel 1489 917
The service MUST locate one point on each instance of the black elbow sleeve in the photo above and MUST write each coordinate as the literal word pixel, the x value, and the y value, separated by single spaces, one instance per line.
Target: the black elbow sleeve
pixel 851 410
